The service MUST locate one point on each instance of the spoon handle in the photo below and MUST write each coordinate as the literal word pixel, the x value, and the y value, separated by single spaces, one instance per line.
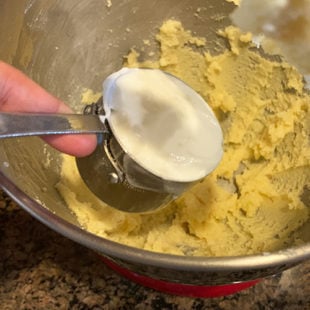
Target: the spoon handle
pixel 37 124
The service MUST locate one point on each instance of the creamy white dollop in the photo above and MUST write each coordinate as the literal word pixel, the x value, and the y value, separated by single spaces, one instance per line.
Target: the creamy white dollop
pixel 164 125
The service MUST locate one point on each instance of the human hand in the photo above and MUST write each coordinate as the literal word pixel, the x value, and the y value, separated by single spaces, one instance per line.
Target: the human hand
pixel 20 94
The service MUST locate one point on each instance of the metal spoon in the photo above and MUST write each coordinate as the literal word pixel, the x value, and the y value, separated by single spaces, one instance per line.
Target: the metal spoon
pixel 102 171
pixel 35 124
pixel 120 177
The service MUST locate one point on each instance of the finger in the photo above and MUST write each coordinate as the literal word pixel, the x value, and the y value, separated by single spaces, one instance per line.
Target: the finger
pixel 20 94
pixel 76 145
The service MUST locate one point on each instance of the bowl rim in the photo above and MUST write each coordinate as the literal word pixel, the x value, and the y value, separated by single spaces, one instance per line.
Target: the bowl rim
pixel 112 249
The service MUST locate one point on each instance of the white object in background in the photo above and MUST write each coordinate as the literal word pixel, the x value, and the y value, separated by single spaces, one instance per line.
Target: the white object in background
pixel 286 22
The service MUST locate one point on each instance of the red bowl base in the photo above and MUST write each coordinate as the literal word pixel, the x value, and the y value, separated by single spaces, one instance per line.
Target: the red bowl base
pixel 197 291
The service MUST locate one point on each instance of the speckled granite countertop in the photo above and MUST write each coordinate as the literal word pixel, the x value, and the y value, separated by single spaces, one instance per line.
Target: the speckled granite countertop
pixel 40 269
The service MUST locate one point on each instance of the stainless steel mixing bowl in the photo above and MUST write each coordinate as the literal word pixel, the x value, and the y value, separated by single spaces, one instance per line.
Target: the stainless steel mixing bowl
pixel 68 45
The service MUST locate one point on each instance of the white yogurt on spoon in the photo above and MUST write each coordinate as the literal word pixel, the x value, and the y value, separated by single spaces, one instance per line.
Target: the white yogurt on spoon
pixel 164 125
